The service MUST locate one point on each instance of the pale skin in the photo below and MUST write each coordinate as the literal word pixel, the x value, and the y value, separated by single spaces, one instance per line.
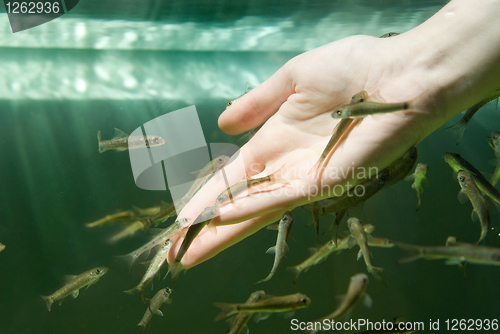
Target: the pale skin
pixel 444 66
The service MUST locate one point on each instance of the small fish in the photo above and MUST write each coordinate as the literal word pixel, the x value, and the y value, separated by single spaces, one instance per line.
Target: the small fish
pixel 167 210
pixel 389 34
pixel 127 231
pixel 151 211
pixel 361 238
pixel 471 191
pixel 111 218
pixel 160 238
pixel 207 171
pixel 454 253
pixel 161 297
pixel 494 141
pixel 355 291
pixel 73 285
pixel 457 163
pixel 418 178
pixel 284 227
pixel 122 141
pixel 154 267
pixel 230 193
pixel 337 134
pixel 459 127
pixel 2 247
pixel 267 303
pixel 366 108
pixel 241 319
pixel 200 222
pixel 248 88
pixel 320 254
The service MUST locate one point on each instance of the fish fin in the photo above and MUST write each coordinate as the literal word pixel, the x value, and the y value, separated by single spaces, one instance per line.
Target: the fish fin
pixel 462 197
pixel 248 87
pixel 412 253
pixel 288 315
pixel 474 216
pixel 119 134
pixel 295 272
pixel 75 293
pixel 459 129
pixel 68 278
pixel 48 301
pixel 367 300
pixel 266 279
pixel 159 313
pixel 410 177
pixel 167 301
pixel 261 316
pixel 376 272
pixel 226 310
pixel 99 142
pixel 271 250
pixel 454 262
pixel 129 259
pixel 351 242
pixel 360 255
pixel 277 178
pixel 287 249
pixel 450 241
pixel 425 182
pixel 369 237
pixel 273 227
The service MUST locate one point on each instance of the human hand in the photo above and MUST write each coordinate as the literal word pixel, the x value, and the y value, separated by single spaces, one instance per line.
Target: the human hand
pixel 297 102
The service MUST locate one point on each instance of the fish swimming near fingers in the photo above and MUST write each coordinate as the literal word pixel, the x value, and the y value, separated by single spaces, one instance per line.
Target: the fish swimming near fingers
pixel 241 319
pixel 361 238
pixel 419 178
pixel 73 285
pixel 471 191
pixel 284 227
pixel 111 218
pixel 160 298
pixel 355 291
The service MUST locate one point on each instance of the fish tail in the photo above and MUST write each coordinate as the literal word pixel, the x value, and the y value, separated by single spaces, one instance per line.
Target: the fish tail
pixel 48 300
pixel 147 222
pixel 175 269
pixel 137 291
pixel 412 253
pixel 129 258
pixel 295 272
pixel 101 149
pixel 459 129
pixel 226 310
pixel 376 272
pixel 277 178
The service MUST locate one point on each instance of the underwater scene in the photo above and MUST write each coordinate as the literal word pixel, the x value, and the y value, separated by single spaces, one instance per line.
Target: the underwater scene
pixel 109 65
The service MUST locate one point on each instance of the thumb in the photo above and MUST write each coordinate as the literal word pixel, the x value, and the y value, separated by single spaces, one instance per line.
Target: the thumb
pixel 255 107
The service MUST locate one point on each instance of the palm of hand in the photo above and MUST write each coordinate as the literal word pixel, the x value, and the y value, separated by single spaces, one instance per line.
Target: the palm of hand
pixel 298 101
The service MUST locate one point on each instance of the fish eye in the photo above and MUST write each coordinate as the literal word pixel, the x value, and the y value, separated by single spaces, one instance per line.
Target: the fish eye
pixel 97 271
pixel 303 301
pixel 494 136
pixel 229 103
pixel 339 112
pixel 383 178
pixel 462 178
pixel 361 100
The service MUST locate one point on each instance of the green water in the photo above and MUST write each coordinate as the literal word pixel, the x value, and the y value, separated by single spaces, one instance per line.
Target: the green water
pixel 120 64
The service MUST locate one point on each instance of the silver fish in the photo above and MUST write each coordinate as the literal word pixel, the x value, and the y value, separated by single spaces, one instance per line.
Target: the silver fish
pixel 418 178
pixel 494 141
pixel 111 218
pixel 154 267
pixel 281 247
pixel 158 299
pixel 269 304
pixel 241 319
pixel 454 253
pixel 355 291
pixel 122 141
pixel 361 238
pixel 73 285
pixel 471 191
